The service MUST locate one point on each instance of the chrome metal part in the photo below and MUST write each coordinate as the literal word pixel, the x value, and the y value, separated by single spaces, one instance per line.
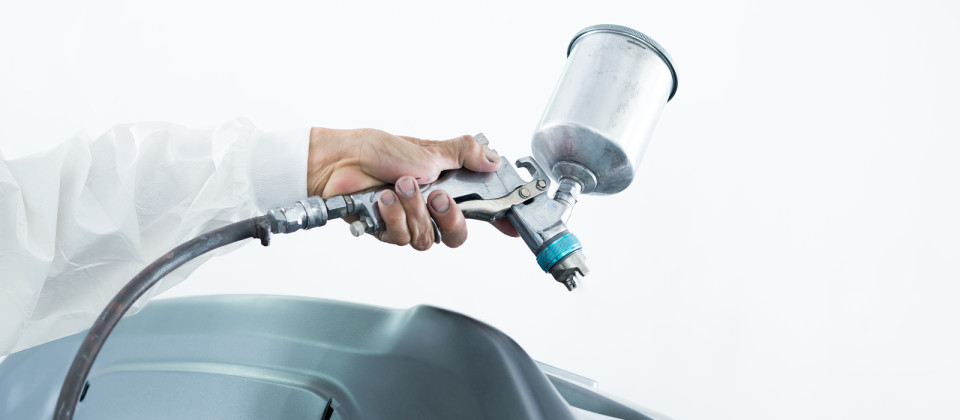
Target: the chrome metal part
pixel 570 270
pixel 339 206
pixel 568 192
pixel 604 108
pixel 365 206
pixel 303 214
pixel 317 214
pixel 578 172
pixel 436 232
pixel 490 210
pixel 358 227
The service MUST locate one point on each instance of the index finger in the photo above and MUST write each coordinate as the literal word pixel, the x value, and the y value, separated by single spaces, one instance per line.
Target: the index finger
pixel 461 152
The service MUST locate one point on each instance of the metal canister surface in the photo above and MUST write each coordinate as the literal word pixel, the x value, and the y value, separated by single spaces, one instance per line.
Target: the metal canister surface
pixel 604 108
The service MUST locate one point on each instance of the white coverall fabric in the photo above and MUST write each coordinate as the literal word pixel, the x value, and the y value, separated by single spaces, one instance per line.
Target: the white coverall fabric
pixel 79 221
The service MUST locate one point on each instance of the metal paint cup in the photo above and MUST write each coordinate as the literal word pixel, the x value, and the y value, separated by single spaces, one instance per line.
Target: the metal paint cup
pixel 604 108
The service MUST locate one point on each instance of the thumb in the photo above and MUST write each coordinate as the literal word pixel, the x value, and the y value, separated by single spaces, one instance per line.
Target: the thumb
pixel 464 151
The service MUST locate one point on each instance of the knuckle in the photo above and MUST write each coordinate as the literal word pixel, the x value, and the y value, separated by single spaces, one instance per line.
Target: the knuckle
pixel 393 223
pixel 451 222
pixel 369 132
pixel 468 144
pixel 454 149
pixel 422 242
pixel 400 239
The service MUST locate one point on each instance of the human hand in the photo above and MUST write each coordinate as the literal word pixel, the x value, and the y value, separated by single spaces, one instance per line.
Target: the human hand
pixel 346 161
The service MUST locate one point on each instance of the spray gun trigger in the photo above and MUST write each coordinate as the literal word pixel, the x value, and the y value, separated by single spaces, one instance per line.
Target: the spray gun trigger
pixel 490 210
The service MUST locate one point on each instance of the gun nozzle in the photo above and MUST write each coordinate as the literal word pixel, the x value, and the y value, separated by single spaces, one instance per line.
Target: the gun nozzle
pixel 570 270
pixel 571 281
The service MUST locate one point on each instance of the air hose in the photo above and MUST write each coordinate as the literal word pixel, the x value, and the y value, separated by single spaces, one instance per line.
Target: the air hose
pixel 73 384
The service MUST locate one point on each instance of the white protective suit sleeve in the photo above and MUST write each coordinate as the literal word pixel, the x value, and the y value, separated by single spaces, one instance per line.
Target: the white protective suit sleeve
pixel 79 221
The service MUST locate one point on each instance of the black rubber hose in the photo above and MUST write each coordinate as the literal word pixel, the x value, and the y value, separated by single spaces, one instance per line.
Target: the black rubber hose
pixel 77 375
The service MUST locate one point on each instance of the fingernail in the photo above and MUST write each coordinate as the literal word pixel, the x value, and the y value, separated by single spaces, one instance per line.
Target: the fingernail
pixel 387 197
pixel 440 203
pixel 406 187
pixel 491 156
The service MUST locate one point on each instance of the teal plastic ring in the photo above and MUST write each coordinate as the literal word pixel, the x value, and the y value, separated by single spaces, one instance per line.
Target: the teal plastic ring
pixel 558 250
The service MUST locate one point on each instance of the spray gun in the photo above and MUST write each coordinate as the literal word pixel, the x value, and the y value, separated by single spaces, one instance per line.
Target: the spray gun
pixel 591 137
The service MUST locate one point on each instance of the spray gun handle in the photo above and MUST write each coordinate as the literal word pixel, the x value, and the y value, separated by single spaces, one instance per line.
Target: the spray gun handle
pixel 486 196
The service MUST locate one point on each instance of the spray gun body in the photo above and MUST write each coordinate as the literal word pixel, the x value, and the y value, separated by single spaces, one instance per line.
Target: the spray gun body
pixel 486 196
pixel 591 138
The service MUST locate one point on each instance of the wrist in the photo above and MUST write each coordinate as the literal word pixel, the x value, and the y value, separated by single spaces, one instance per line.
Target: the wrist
pixel 330 150
pixel 318 159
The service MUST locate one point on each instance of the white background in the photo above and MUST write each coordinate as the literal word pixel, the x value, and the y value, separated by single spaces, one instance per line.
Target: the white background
pixel 789 248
